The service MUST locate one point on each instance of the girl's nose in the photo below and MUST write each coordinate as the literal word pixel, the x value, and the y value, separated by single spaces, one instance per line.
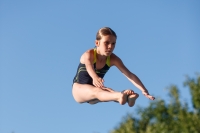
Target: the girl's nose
pixel 110 46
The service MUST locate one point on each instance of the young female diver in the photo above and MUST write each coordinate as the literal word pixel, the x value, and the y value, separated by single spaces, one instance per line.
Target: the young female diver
pixel 94 63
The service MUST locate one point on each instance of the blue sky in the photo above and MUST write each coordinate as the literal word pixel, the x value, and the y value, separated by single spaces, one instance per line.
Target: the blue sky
pixel 41 43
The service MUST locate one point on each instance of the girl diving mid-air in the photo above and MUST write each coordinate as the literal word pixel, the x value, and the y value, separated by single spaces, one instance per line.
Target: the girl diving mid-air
pixel 94 63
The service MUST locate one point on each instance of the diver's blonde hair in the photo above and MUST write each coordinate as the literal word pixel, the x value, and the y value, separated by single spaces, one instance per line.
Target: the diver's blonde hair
pixel 104 32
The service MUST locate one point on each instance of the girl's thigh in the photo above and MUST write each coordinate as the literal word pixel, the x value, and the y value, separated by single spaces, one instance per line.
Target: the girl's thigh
pixel 84 92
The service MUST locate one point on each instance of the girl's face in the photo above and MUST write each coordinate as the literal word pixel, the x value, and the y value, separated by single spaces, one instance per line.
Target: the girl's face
pixel 106 45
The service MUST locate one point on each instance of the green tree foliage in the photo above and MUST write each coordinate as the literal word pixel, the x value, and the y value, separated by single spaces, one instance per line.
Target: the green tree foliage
pixel 172 116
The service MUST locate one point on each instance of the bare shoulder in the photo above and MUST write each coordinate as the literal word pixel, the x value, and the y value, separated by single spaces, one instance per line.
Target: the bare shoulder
pixel 114 59
pixel 87 55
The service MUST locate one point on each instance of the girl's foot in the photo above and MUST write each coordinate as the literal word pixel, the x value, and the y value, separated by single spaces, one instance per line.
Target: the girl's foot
pixel 123 98
pixel 132 98
pixel 128 92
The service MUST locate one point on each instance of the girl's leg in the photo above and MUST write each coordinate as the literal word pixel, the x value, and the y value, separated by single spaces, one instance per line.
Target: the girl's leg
pixel 94 101
pixel 84 93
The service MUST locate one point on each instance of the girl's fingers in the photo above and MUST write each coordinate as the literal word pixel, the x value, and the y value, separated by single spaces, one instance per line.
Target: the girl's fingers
pixel 96 85
pixel 101 81
pixel 100 84
pixel 150 97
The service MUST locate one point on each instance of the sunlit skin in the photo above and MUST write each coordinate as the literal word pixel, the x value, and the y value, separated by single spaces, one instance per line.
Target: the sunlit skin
pixel 99 93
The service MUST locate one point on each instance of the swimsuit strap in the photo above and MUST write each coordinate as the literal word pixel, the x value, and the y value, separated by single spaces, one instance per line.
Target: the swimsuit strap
pixel 95 58
pixel 108 61
pixel 95 54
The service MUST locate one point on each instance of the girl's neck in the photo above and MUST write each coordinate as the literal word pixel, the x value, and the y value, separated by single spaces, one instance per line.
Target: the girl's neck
pixel 100 57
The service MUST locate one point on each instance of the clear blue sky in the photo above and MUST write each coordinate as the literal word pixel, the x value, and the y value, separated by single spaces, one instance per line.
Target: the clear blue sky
pixel 41 43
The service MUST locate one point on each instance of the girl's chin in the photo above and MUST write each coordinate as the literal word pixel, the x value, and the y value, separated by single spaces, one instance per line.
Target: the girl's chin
pixel 108 53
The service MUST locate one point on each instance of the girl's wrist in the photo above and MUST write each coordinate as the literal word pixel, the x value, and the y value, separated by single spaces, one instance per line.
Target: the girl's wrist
pixel 95 76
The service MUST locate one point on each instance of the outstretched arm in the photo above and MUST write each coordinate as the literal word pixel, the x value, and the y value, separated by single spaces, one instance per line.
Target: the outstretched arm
pixel 132 77
pixel 137 82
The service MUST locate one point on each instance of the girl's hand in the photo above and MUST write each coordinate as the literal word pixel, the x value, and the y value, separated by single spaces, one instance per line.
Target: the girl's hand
pixel 98 82
pixel 146 93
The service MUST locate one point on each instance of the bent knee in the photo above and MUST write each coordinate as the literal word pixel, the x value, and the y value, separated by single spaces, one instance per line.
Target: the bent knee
pixel 78 98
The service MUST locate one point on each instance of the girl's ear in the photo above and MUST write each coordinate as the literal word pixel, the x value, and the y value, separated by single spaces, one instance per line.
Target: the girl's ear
pixel 97 43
